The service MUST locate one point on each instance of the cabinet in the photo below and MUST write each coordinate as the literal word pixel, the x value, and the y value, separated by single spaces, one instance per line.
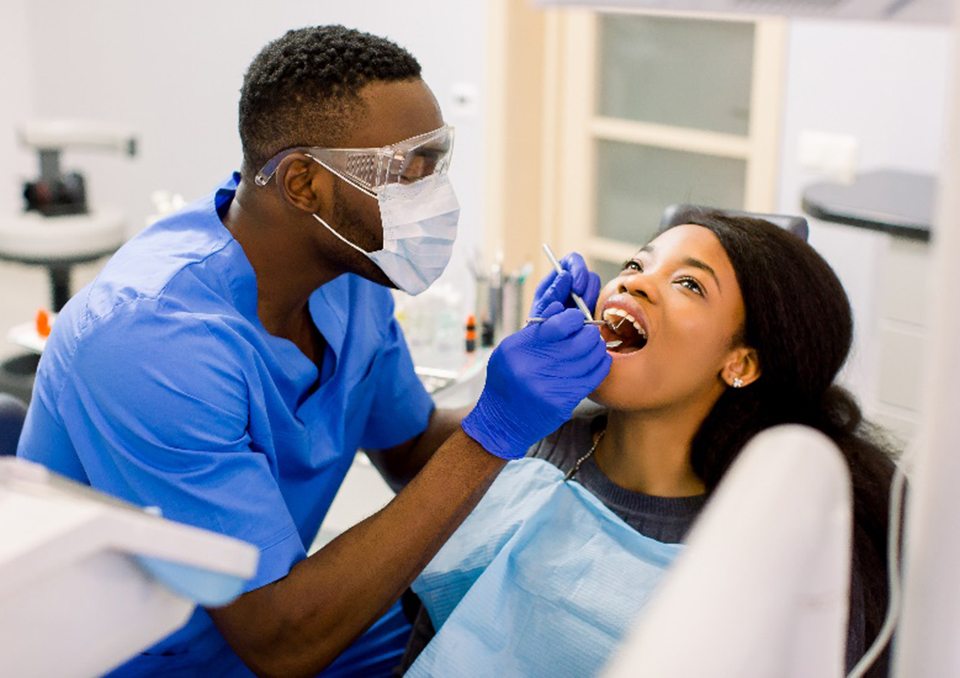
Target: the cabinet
pixel 900 204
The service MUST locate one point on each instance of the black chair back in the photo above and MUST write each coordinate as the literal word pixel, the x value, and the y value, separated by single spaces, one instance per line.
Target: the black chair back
pixel 681 214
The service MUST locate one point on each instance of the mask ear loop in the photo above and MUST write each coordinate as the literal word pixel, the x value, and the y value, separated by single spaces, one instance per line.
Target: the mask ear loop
pixel 349 181
pixel 330 228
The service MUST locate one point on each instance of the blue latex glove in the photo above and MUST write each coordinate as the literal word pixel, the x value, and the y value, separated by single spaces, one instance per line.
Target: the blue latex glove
pixel 535 378
pixel 557 286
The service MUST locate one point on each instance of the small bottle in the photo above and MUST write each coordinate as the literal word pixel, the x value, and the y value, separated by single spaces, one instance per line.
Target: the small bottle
pixel 471 334
pixel 42 323
pixel 486 333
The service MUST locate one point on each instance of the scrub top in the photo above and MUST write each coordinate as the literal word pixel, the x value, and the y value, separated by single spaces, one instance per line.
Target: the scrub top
pixel 160 385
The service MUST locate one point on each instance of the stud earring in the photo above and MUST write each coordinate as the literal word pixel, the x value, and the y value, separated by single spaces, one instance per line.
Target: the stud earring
pixel 737 382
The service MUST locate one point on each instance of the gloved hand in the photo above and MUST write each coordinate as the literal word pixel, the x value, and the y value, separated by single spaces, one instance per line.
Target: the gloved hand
pixel 557 286
pixel 535 378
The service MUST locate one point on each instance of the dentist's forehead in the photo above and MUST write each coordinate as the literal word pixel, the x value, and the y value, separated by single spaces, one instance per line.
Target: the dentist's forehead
pixel 395 111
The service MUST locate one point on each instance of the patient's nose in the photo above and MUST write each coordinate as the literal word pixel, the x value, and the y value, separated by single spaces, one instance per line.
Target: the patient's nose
pixel 639 284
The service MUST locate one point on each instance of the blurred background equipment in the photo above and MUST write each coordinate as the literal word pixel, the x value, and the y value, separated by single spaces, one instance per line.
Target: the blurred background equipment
pixel 55 192
pixel 59 228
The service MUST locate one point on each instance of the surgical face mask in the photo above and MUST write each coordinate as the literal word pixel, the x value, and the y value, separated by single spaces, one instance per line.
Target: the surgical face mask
pixel 419 227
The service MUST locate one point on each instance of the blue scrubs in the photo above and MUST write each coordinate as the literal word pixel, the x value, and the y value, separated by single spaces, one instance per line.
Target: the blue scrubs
pixel 160 385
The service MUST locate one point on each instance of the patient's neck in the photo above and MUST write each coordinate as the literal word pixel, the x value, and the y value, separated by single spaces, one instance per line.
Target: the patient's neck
pixel 649 453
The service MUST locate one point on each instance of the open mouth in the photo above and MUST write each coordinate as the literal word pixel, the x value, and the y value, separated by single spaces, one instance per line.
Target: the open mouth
pixel 623 327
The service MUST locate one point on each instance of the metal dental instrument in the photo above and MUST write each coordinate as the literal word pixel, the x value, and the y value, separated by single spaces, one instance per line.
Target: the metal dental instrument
pixel 587 316
pixel 610 344
pixel 576 297
pixel 538 319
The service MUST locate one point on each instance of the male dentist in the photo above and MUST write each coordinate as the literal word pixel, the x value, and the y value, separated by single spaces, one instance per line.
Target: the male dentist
pixel 229 361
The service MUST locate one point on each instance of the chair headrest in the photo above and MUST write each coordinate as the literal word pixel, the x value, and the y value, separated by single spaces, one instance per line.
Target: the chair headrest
pixel 682 213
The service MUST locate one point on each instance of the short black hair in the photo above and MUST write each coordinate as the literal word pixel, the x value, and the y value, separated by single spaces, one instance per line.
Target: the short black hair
pixel 303 88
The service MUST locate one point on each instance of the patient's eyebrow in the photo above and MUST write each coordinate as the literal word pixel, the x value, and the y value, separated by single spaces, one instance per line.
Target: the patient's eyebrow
pixel 703 266
pixel 687 261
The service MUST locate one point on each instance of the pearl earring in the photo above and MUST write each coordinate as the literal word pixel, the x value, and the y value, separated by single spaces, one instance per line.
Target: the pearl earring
pixel 737 382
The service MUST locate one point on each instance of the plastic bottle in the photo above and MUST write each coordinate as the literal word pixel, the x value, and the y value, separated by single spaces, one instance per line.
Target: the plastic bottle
pixel 471 334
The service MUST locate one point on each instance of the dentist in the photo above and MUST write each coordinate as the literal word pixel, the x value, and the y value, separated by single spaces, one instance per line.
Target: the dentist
pixel 229 361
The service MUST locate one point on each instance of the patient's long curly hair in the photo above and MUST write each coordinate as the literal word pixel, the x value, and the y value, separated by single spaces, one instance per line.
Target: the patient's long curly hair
pixel 799 321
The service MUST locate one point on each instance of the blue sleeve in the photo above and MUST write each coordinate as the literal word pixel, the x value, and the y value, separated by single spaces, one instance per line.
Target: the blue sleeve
pixel 156 407
pixel 402 408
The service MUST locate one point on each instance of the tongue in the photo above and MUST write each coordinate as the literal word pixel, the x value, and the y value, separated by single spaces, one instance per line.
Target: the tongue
pixel 626 333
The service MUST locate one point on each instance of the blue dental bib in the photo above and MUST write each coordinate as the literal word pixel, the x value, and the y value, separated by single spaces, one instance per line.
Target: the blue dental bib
pixel 541 579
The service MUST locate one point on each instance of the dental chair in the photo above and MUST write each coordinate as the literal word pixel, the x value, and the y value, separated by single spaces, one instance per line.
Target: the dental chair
pixel 681 214
pixel 13 411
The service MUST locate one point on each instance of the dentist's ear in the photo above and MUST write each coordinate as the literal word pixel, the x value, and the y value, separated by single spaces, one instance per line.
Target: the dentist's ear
pixel 304 184
pixel 741 368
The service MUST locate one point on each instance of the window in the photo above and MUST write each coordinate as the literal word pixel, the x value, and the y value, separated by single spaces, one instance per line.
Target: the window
pixel 619 115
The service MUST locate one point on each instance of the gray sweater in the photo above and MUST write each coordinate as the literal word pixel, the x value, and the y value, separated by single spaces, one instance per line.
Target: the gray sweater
pixel 665 519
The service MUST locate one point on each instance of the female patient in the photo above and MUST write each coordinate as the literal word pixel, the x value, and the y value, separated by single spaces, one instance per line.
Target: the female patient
pixel 727 326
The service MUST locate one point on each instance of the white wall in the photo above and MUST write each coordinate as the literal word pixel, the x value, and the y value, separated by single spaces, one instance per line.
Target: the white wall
pixel 23 289
pixel 16 102
pixel 886 85
pixel 173 70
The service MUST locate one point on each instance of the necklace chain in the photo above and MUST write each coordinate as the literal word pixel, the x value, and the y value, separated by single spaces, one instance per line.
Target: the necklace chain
pixel 576 467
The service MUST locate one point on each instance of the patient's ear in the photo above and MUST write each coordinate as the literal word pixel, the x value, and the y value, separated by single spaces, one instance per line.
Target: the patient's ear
pixel 741 368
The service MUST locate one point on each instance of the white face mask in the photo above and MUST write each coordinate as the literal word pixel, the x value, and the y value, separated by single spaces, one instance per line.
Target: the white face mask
pixel 419 227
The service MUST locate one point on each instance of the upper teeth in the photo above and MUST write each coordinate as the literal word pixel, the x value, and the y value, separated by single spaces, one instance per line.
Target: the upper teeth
pixel 620 313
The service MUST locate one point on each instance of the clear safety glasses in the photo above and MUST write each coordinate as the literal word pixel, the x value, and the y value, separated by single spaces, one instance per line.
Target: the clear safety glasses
pixel 370 169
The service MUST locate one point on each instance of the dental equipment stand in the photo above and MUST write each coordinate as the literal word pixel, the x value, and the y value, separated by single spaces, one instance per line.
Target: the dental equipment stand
pixel 59 230
pixel 926 643
pixel 96 577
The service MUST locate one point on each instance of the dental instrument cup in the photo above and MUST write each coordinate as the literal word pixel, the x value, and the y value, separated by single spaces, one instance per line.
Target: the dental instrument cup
pixel 587 316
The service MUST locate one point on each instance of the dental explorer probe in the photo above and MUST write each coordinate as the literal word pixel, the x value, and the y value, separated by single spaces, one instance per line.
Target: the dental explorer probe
pixel 538 319
pixel 587 316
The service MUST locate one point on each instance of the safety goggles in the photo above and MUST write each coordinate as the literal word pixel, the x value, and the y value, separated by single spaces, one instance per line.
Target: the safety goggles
pixel 370 169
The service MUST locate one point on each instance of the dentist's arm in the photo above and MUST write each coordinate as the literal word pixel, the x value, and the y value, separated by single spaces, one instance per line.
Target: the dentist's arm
pixel 398 465
pixel 299 624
